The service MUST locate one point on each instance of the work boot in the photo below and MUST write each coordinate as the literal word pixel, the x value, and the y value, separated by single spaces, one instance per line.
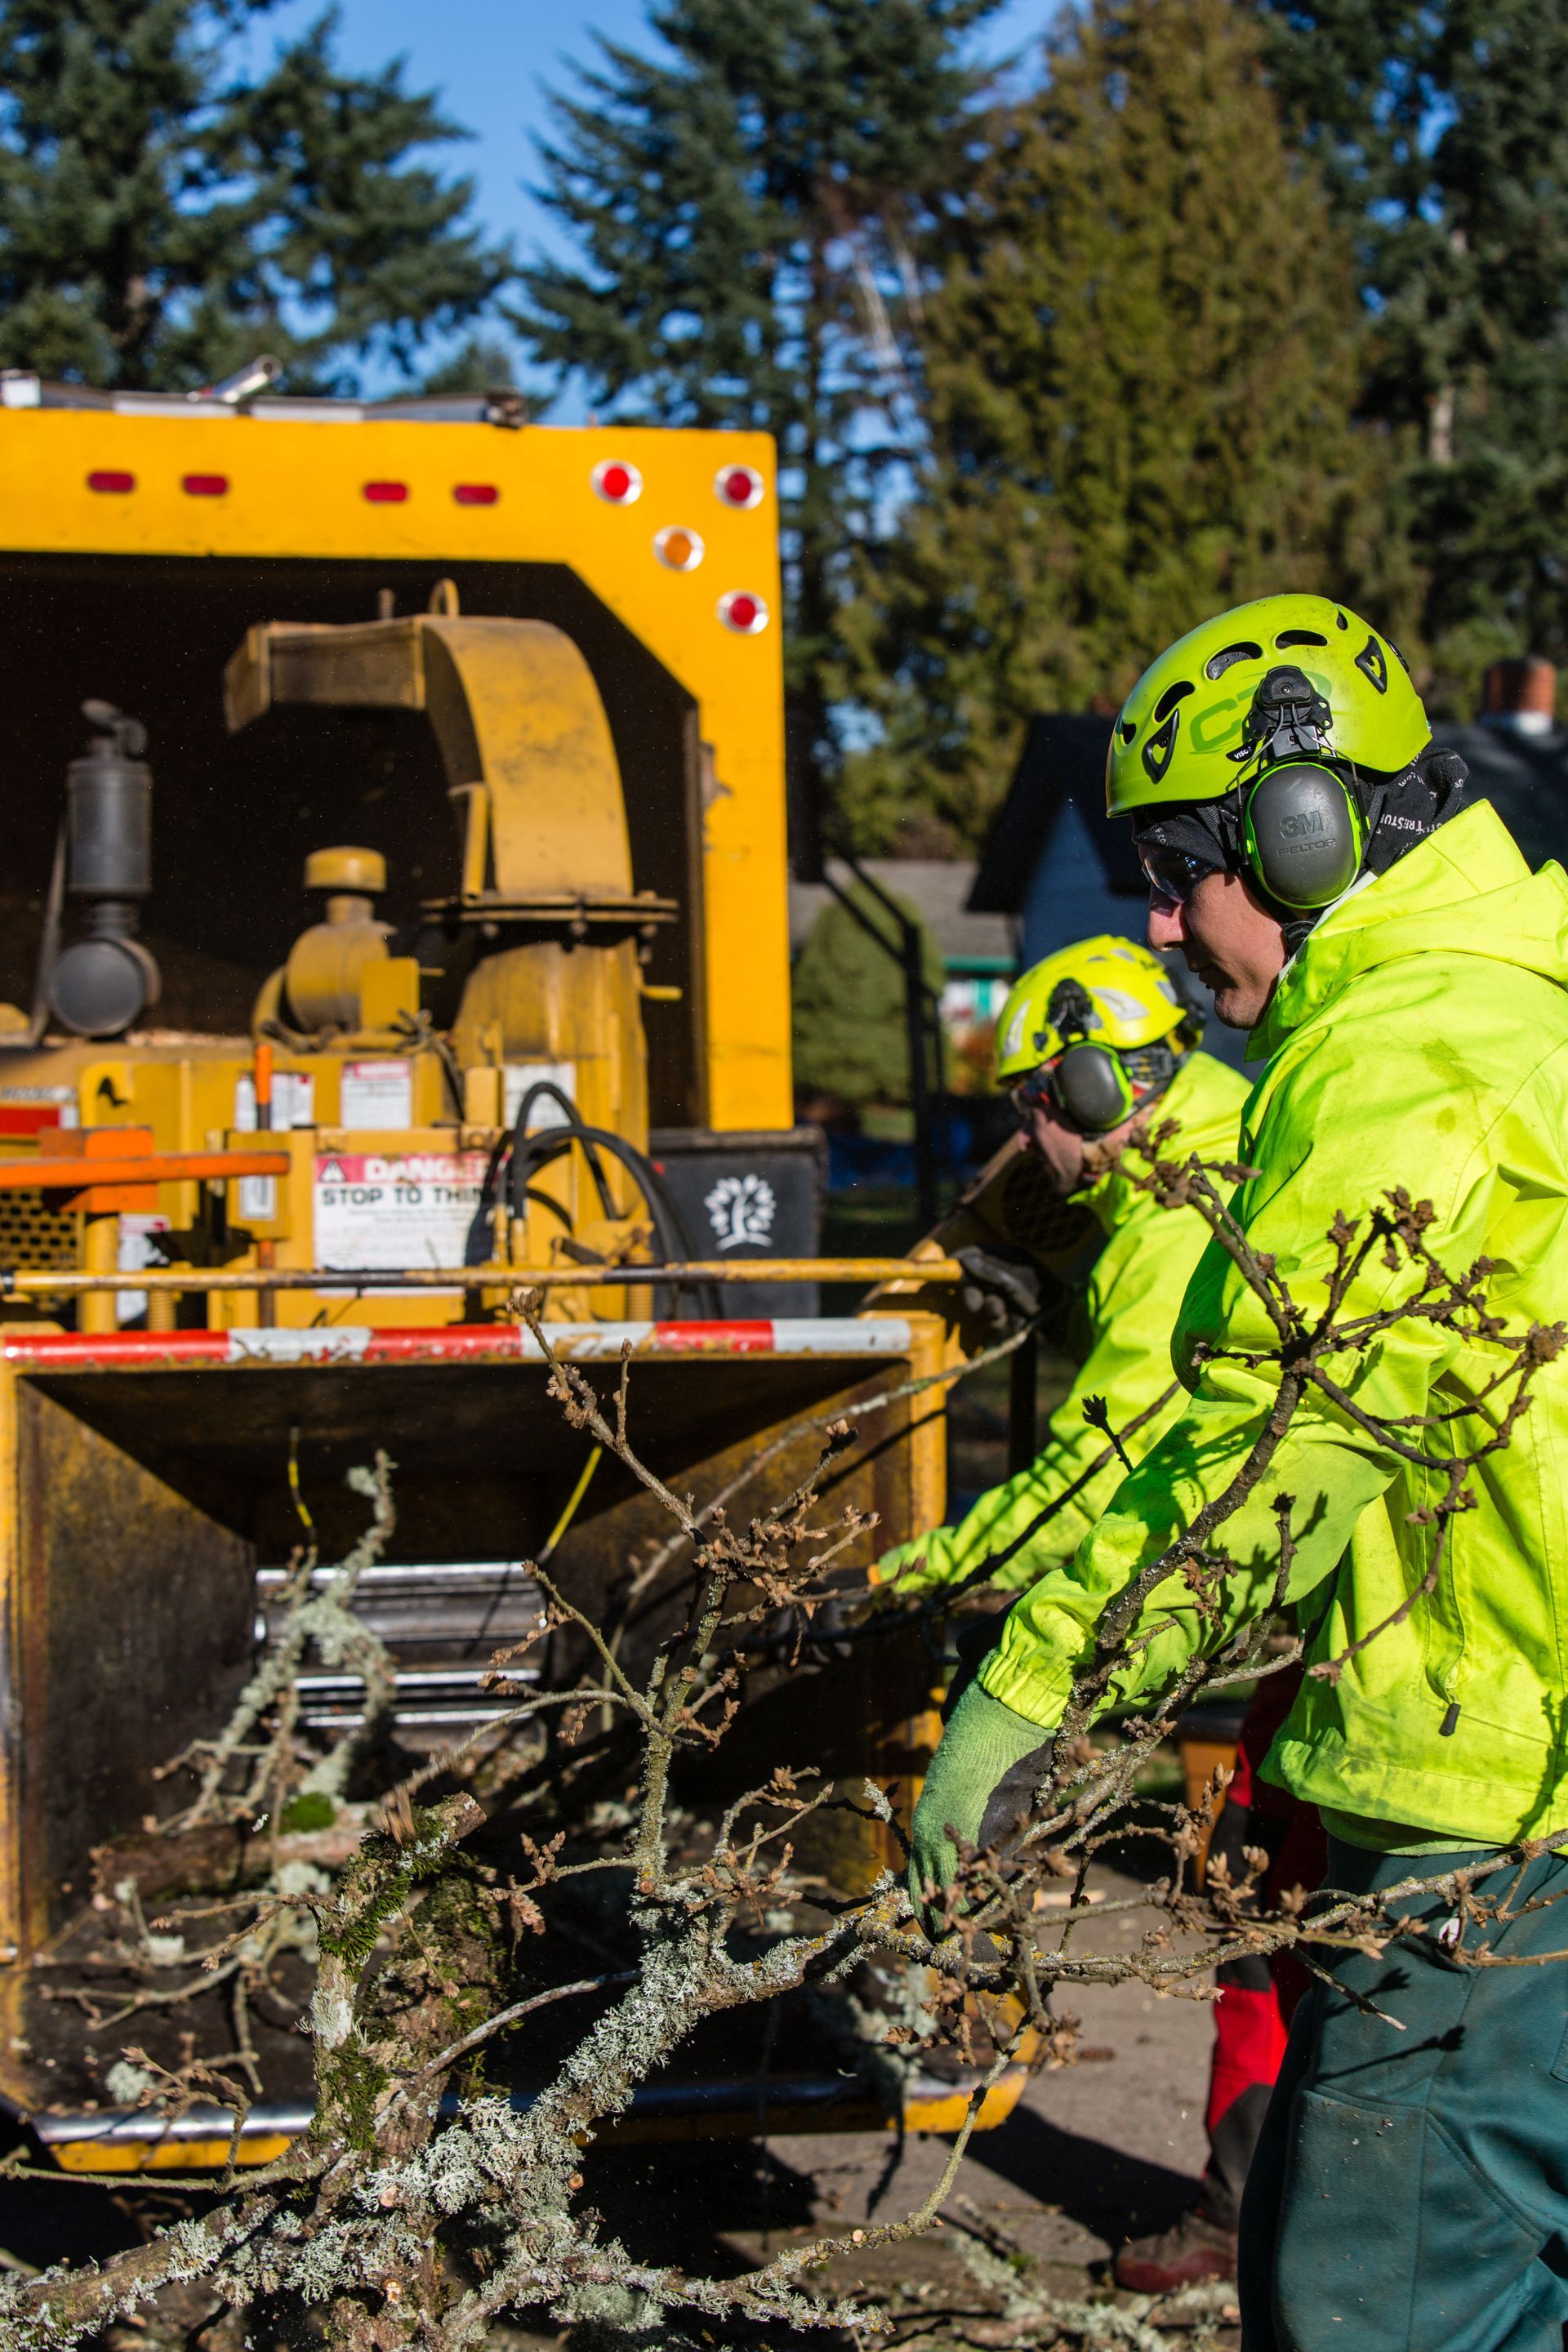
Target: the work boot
pixel 1195 2248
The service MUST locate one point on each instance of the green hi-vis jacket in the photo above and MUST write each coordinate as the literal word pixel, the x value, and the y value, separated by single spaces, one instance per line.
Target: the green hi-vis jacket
pixel 1122 1337
pixel 1418 1038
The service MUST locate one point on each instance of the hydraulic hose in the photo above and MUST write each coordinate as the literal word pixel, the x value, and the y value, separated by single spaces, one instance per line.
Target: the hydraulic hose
pixel 544 1089
pixel 530 1154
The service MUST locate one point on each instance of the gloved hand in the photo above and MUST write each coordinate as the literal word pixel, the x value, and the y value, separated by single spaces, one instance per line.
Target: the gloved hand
pixel 1003 1288
pixel 914 1567
pixel 981 1783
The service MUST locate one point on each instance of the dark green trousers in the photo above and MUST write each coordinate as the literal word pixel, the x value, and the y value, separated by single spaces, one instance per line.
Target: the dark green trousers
pixel 1410 2190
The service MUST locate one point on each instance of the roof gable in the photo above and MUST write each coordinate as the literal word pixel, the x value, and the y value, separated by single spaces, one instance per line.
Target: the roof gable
pixel 1063 761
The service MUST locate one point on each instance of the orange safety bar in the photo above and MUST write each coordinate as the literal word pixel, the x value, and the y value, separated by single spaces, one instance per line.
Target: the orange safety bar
pixel 70 1172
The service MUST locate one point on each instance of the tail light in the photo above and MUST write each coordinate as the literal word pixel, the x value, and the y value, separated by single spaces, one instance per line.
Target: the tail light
pixel 738 485
pixel 617 481
pixel 744 612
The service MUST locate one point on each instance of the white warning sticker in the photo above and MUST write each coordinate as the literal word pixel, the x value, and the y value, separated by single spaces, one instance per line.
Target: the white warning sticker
pixel 377 1094
pixel 395 1210
pixel 137 1249
pixel 294 1100
pixel 522 1076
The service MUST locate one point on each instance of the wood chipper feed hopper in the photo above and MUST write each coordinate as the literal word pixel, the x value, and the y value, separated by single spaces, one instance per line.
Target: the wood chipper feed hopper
pixel 237 1265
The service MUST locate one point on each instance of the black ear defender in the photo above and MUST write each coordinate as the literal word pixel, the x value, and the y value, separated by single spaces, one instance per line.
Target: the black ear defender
pixel 1091 1090
pixel 1304 835
pixel 1302 831
pixel 1088 1083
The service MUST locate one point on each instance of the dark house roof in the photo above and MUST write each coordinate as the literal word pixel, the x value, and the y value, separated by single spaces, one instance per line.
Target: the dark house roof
pixel 1063 760
pixel 1524 776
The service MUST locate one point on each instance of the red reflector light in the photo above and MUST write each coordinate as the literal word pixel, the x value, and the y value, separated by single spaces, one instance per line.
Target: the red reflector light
pixel 476 494
pixel 746 613
pixel 739 486
pixel 204 486
pixel 386 494
pixel 28 1118
pixel 115 482
pixel 617 481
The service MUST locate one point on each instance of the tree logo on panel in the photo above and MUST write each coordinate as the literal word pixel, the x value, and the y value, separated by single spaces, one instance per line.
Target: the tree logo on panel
pixel 741 1210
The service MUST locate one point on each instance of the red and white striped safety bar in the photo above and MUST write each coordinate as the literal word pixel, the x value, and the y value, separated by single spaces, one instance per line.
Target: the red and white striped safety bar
pixel 358 1343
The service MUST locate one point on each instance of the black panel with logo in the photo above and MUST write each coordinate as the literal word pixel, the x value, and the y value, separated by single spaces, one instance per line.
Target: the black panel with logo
pixel 747 1194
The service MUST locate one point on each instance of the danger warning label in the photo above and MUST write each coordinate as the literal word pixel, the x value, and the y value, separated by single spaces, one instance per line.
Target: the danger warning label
pixel 395 1210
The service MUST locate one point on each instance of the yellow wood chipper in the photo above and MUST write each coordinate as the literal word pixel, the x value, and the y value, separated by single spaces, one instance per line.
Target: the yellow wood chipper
pixel 444 753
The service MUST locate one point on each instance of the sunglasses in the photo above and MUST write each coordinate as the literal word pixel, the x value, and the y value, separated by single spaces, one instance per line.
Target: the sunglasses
pixel 1174 874
pixel 1033 1091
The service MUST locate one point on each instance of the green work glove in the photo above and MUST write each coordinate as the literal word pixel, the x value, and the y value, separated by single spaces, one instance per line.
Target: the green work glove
pixel 914 1567
pixel 982 1781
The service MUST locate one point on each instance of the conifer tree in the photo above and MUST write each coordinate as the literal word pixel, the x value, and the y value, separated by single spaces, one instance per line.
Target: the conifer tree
pixel 1442 132
pixel 747 207
pixel 1142 365
pixel 162 221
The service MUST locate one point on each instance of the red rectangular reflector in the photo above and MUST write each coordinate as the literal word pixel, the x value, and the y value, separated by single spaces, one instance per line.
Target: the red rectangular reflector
pixel 26 1118
pixel 386 494
pixel 112 481
pixel 204 486
pixel 476 494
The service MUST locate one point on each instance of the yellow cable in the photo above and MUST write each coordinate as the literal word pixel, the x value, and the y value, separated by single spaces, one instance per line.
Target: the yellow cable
pixel 306 1521
pixel 569 1513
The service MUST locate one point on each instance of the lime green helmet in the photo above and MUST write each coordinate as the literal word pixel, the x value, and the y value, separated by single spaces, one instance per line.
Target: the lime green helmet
pixel 1182 733
pixel 1091 1029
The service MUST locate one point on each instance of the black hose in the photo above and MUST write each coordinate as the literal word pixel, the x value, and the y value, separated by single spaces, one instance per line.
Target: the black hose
pixel 547 1086
pixel 549 1142
pixel 531 1152
pixel 511 1138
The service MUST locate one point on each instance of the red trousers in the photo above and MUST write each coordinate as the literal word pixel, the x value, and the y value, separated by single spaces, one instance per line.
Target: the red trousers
pixel 1257 1996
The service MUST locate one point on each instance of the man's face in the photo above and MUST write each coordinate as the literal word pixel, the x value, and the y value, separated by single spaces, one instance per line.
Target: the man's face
pixel 1229 940
pixel 1063 1152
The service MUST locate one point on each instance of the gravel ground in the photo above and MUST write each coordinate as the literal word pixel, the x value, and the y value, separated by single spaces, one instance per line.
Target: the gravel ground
pixel 1093 2153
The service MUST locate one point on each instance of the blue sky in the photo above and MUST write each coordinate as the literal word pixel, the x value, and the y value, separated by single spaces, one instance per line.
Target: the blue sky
pixel 492 59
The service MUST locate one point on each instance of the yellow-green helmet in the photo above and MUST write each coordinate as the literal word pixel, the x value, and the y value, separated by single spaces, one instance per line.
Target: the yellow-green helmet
pixel 1131 998
pixel 1180 735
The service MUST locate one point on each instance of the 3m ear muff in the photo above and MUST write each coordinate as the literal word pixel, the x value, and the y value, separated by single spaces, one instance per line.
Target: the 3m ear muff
pixel 1091 1090
pixel 1303 834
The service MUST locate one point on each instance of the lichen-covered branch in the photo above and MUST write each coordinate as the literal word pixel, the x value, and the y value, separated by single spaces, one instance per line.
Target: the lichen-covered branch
pixel 496 1953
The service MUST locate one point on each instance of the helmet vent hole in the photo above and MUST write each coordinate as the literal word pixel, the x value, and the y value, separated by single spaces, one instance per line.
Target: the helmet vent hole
pixel 1171 696
pixel 1371 665
pixel 1128 729
pixel 1217 664
pixel 1341 621
pixel 1298 638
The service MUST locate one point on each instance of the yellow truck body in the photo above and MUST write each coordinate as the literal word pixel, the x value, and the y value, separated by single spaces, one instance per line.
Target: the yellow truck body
pixel 537 672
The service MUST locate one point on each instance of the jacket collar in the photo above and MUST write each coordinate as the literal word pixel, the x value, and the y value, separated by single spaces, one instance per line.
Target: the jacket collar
pixel 1465 890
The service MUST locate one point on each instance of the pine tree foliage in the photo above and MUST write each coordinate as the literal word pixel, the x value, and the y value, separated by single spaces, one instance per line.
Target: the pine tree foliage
pixel 748 204
pixel 1142 365
pixel 162 221
pixel 1442 131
